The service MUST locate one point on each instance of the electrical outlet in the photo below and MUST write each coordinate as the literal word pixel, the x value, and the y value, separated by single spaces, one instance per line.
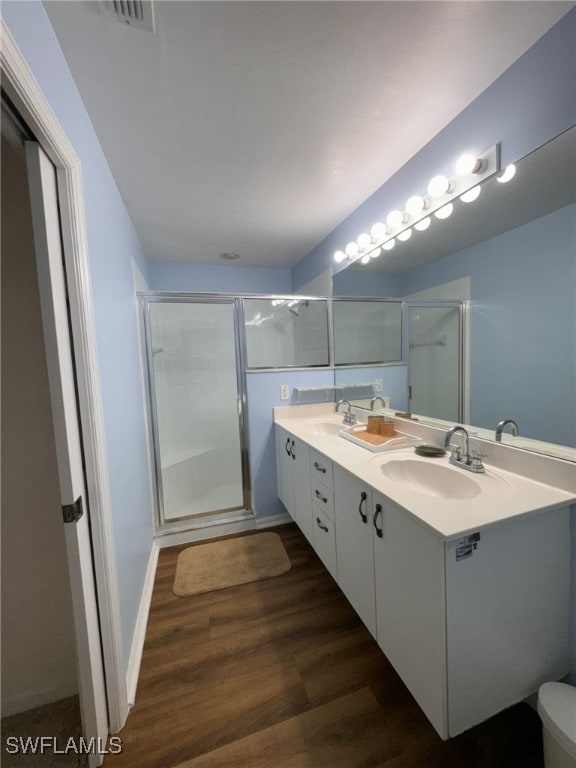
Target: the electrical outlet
pixel 284 392
pixel 378 385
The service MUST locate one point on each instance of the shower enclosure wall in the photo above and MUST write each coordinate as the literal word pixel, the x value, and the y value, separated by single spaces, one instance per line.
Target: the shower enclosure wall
pixel 197 404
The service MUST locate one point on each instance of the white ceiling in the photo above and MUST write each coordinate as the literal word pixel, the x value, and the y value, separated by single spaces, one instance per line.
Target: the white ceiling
pixel 256 127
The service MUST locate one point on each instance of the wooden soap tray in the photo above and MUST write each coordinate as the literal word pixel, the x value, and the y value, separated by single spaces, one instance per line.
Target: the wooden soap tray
pixel 378 443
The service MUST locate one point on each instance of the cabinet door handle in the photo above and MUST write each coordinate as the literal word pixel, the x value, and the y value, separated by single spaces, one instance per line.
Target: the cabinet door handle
pixel 318 468
pixel 322 498
pixel 286 446
pixel 292 453
pixel 320 524
pixel 364 516
pixel 377 511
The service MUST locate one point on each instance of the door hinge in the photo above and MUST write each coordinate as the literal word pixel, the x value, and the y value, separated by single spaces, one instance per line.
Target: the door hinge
pixel 409 392
pixel 73 512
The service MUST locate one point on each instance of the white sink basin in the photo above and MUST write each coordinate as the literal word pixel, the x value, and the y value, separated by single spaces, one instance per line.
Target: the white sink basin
pixel 323 428
pixel 438 480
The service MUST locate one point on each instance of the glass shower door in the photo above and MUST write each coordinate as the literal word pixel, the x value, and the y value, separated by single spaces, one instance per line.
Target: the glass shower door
pixel 197 415
pixel 435 361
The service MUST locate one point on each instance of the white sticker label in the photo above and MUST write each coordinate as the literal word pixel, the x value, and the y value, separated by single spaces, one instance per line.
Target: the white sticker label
pixel 465 546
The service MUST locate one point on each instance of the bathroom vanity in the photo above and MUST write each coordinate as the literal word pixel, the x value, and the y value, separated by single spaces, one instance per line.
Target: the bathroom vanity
pixel 463 580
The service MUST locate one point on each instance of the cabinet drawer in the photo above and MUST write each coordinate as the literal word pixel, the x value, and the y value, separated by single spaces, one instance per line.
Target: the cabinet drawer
pixel 325 540
pixel 322 497
pixel 321 469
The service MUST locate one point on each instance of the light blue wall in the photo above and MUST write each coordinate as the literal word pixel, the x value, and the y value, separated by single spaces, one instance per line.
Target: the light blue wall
pixel 356 283
pixel 529 104
pixel 112 243
pixel 263 393
pixel 218 279
pixel 523 286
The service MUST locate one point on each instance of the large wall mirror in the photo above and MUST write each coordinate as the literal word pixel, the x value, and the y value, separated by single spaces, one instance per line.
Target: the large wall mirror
pixel 510 256
pixel 366 332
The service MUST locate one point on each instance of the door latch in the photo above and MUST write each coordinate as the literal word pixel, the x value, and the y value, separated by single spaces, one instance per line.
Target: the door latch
pixel 73 512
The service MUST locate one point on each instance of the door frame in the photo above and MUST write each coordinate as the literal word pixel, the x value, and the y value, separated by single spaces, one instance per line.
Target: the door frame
pixel 25 93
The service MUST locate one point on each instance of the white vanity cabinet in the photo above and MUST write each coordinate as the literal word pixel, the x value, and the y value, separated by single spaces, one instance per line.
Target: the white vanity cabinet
pixel 475 624
pixel 322 499
pixel 410 609
pixel 353 514
pixel 472 622
pixel 293 477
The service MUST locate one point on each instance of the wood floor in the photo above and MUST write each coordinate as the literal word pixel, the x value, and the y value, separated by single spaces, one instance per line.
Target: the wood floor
pixel 282 674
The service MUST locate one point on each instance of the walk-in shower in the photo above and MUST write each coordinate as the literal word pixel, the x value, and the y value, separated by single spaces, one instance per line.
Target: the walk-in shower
pixel 197 406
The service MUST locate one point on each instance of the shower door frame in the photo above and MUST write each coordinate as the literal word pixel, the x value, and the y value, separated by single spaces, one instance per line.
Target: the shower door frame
pixel 463 308
pixel 230 514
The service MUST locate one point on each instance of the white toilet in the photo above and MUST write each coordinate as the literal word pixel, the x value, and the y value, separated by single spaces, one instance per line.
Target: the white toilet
pixel 557 710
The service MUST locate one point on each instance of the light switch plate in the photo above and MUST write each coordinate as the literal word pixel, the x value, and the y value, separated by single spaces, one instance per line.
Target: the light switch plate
pixel 284 392
pixel 378 385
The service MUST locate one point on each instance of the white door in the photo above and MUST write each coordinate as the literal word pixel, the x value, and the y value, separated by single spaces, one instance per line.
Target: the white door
pixel 51 279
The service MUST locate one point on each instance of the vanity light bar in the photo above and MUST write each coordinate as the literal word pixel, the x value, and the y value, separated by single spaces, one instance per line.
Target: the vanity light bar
pixel 470 171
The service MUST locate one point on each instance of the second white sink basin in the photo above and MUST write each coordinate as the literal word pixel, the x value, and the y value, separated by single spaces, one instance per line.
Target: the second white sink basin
pixel 438 480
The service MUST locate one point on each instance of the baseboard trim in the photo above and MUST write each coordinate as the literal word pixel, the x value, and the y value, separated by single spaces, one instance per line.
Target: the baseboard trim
pixel 140 630
pixel 32 699
pixel 282 518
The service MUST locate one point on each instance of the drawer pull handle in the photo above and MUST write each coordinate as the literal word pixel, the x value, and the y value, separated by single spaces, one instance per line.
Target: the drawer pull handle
pixel 286 446
pixel 318 468
pixel 377 511
pixel 363 515
pixel 292 453
pixel 320 524
pixel 322 498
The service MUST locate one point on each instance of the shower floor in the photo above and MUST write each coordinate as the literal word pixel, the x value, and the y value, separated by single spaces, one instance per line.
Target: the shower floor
pixel 223 497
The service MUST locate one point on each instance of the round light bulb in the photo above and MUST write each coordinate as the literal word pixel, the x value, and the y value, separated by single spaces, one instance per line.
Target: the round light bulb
pixel 364 241
pixel 467 164
pixel 423 224
pixel 352 249
pixel 406 235
pixel 395 219
pixel 439 186
pixel 415 205
pixel 509 173
pixel 471 194
pixel 388 245
pixel 339 256
pixel 378 231
pixel 444 212
pixel 375 253
pixel 365 259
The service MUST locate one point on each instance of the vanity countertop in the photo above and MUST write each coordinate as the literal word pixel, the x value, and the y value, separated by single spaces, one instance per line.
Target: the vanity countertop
pixel 488 499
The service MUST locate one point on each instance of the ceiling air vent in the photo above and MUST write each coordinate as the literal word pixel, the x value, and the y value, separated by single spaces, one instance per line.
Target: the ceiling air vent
pixel 134 13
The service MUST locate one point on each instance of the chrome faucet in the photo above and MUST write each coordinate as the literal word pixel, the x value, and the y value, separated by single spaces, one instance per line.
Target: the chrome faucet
pixel 373 401
pixel 461 456
pixel 513 428
pixel 349 417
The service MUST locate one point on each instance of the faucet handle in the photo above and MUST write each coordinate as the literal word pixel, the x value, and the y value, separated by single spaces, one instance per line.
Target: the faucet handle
pixel 456 451
pixel 476 458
